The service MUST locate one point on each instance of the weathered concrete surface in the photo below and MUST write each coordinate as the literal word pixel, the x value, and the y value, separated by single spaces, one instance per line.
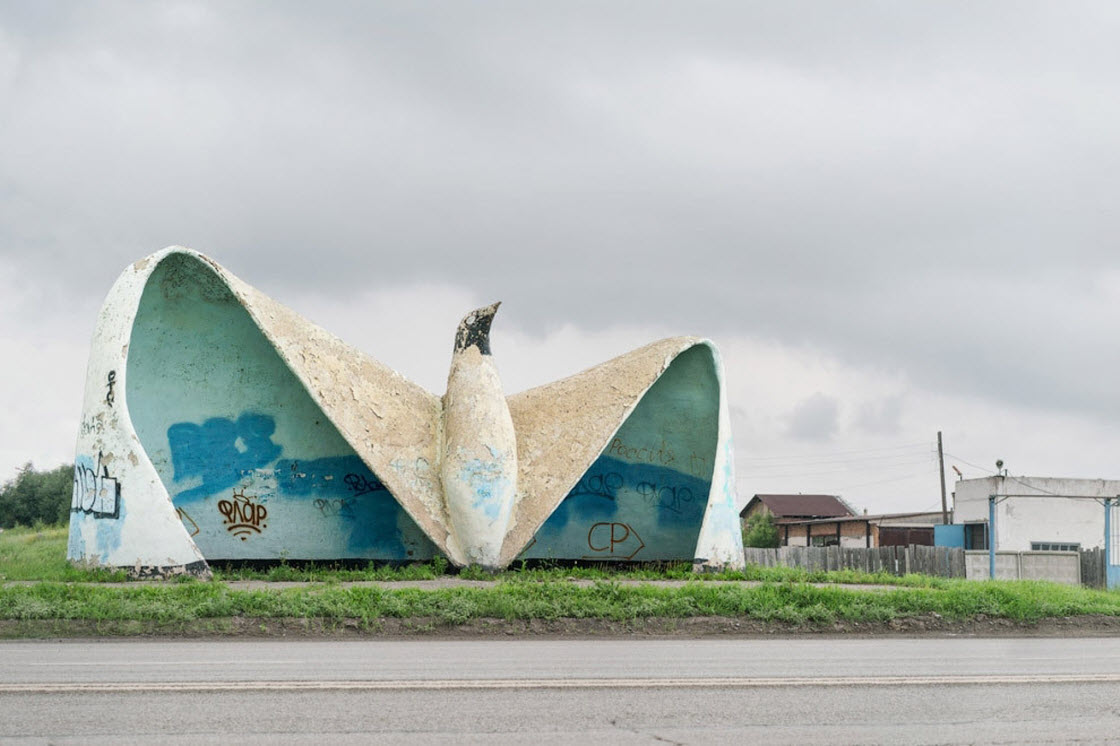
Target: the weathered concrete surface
pixel 564 427
pixel 509 466
pixel 479 466
pixel 120 515
pixel 392 424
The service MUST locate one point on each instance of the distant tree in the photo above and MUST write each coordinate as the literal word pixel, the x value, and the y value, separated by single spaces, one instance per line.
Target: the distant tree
pixel 761 531
pixel 37 497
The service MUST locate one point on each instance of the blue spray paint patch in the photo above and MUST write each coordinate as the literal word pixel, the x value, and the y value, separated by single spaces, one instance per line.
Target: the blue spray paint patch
pixel 336 476
pixel 76 545
pixel 343 487
pixel 642 499
pixel 723 536
pixel 594 498
pixel 724 518
pixel 587 508
pixel 375 526
pixel 489 484
pixel 109 535
pixel 674 497
pixel 220 451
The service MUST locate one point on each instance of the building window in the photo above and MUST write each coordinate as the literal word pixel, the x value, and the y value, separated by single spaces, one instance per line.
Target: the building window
pixel 1054 546
pixel 976 536
pixel 826 541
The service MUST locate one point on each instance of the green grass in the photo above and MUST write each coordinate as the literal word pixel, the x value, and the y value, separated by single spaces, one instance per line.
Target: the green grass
pixel 785 595
pixel 327 572
pixel 792 603
pixel 40 554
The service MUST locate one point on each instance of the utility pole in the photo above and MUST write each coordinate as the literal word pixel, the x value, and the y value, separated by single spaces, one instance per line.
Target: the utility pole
pixel 941 471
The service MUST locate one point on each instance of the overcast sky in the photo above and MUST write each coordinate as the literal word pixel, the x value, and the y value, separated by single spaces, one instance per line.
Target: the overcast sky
pixel 893 217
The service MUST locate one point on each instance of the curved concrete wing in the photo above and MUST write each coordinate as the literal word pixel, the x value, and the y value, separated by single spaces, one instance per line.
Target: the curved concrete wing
pixel 234 429
pixel 629 460
pixel 392 424
pixel 120 513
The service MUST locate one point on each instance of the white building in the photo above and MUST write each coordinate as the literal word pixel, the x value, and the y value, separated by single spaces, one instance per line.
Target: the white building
pixel 1034 513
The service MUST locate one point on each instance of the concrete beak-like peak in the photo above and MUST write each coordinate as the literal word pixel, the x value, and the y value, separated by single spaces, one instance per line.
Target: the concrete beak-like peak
pixel 474 329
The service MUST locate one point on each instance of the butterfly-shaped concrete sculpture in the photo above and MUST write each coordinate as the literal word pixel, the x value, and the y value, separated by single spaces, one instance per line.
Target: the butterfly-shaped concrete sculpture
pixel 220 425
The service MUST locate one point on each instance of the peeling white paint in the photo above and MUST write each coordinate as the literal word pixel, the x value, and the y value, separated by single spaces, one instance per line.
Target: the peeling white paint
pixel 479 457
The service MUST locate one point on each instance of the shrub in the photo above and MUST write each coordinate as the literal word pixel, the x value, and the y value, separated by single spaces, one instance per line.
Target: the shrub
pixel 37 497
pixel 761 531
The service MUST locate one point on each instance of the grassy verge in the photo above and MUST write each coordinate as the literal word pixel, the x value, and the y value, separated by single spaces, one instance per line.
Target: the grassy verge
pixel 326 572
pixel 784 597
pixel 40 554
pixel 788 603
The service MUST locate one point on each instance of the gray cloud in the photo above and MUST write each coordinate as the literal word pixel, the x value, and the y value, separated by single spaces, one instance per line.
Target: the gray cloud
pixel 882 417
pixel 920 187
pixel 815 418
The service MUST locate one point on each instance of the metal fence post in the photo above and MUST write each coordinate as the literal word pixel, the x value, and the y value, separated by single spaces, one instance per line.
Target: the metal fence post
pixel 991 537
pixel 1107 538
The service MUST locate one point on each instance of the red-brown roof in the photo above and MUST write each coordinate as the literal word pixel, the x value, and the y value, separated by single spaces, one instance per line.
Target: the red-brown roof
pixel 801 506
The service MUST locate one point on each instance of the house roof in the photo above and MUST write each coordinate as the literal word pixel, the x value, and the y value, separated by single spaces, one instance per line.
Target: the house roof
pixel 924 519
pixel 801 506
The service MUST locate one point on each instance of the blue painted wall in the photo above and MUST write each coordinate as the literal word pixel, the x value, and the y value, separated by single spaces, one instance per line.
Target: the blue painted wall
pixel 949 535
pixel 644 497
pixel 255 470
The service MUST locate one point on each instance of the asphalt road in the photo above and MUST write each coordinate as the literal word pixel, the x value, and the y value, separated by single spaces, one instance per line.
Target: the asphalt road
pixel 835 690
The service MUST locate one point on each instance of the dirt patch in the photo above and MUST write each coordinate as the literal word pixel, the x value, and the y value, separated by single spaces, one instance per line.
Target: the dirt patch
pixel 691 627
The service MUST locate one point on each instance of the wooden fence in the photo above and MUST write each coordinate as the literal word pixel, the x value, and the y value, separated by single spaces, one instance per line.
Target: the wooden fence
pixel 945 562
pixel 1092 567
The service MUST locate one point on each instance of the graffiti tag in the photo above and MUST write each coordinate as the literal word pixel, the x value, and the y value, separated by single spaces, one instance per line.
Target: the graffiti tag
pixel 339 506
pixel 604 537
pixel 700 466
pixel 242 515
pixel 663 455
pixel 92 426
pixel 601 485
pixel 185 517
pixel 95 492
pixel 360 484
pixel 669 498
pixel 111 397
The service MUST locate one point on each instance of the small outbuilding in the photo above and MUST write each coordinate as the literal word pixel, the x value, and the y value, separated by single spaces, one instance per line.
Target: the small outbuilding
pixel 799 510
pixel 826 520
pixel 852 531
pixel 794 507
pixel 1031 513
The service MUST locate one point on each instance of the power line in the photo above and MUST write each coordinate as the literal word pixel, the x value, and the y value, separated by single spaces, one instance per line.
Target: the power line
pixel 876 463
pixel 1043 493
pixel 969 463
pixel 762 474
pixel 1036 489
pixel 743 475
pixel 883 481
pixel 830 454
pixel 849 460
pixel 883 459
